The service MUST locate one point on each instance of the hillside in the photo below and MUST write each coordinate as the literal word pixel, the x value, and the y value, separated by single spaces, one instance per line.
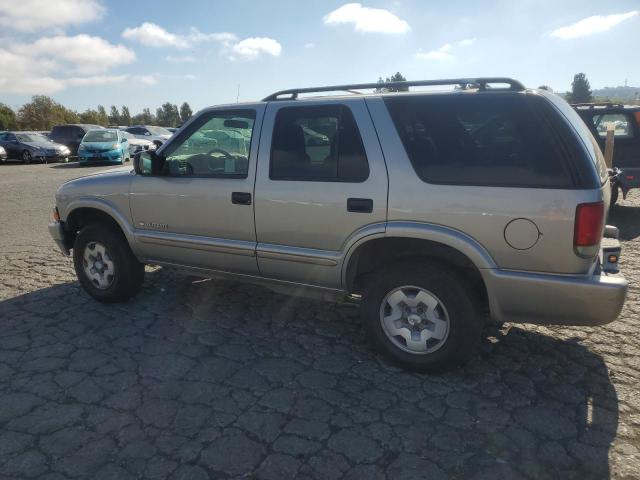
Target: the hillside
pixel 623 94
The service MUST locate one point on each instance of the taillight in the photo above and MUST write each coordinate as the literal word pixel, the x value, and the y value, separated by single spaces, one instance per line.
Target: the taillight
pixel 637 114
pixel 588 228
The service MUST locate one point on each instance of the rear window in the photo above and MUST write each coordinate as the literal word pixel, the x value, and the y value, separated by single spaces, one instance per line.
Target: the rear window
pixel 490 140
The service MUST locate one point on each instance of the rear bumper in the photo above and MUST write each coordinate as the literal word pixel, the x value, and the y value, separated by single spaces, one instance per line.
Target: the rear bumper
pixel 56 230
pixel 555 299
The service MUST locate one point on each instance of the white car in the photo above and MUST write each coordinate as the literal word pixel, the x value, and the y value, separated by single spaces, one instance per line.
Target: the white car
pixel 157 135
pixel 137 144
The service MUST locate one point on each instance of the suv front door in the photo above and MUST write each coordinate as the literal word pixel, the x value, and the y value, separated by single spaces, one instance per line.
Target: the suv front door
pixel 321 179
pixel 198 211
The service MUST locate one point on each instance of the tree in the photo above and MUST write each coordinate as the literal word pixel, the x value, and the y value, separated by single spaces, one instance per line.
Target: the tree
pixel 125 116
pixel 7 117
pixel 580 89
pixel 90 116
pixel 185 112
pixel 144 118
pixel 114 115
pixel 42 113
pixel 397 77
pixel 168 115
pixel 103 119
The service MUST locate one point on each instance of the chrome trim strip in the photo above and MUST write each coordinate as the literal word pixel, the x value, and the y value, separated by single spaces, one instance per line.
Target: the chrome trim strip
pixel 293 288
pixel 196 242
pixel 326 258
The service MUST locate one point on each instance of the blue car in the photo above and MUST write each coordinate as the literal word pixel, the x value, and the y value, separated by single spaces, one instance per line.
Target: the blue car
pixel 107 145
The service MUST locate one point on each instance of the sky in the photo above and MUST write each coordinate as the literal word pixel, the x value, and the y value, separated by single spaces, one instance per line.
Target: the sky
pixel 143 53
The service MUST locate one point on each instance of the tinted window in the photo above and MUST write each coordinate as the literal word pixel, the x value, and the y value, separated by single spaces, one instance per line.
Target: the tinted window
pixel 319 143
pixel 619 122
pixel 136 130
pixel 493 140
pixel 216 145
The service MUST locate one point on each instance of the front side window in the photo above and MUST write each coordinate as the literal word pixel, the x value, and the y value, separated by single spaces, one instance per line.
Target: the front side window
pixel 490 140
pixel 317 143
pixel 216 145
pixel 620 123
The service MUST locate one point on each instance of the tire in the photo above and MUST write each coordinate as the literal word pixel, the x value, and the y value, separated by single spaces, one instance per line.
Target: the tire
pixel 121 274
pixel 453 302
pixel 614 196
pixel 26 156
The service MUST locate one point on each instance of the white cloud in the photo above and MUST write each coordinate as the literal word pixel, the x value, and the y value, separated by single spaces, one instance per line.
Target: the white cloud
pixel 146 79
pixel 29 15
pixel 88 55
pixel 368 20
pixel 251 48
pixel 180 58
pixel 445 52
pixel 309 45
pixel 591 25
pixel 95 80
pixel 39 67
pixel 153 35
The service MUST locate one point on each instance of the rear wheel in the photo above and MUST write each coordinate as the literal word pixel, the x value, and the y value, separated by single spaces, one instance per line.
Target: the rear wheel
pixel 26 156
pixel 105 265
pixel 614 196
pixel 421 316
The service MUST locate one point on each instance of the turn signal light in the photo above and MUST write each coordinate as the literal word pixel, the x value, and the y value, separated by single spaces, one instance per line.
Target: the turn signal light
pixel 56 214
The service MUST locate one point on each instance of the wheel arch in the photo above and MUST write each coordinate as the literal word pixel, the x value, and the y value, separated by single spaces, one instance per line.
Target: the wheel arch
pixel 86 211
pixel 403 240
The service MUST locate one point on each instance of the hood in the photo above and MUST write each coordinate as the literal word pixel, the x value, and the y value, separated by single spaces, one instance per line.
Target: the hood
pixel 123 171
pixel 99 145
pixel 42 144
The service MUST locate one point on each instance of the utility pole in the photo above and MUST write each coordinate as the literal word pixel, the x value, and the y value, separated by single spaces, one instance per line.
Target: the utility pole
pixel 238 95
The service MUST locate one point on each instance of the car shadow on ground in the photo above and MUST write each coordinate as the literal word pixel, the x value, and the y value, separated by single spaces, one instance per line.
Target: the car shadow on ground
pixel 246 377
pixel 627 219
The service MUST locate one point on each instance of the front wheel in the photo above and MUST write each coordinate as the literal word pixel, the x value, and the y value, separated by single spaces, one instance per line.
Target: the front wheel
pixel 105 265
pixel 26 156
pixel 421 316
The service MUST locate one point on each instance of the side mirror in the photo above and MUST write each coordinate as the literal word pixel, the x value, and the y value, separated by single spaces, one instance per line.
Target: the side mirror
pixel 147 163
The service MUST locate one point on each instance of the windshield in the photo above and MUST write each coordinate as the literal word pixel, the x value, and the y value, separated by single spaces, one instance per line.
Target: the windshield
pixel 30 137
pixel 100 136
pixel 158 130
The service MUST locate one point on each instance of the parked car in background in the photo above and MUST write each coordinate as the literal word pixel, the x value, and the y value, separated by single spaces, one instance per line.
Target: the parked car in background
pixel 71 135
pixel 104 145
pixel 625 120
pixel 3 155
pixel 137 144
pixel 436 211
pixel 157 135
pixel 31 146
pixel 172 129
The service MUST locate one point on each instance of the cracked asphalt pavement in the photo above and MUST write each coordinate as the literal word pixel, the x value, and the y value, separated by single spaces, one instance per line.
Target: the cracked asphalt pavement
pixel 197 379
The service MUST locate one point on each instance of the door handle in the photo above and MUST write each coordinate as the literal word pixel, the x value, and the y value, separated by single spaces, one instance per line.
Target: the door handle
pixel 360 205
pixel 241 198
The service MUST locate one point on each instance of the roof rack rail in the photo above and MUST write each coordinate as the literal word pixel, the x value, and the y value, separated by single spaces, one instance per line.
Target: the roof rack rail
pixel 464 83
pixel 597 104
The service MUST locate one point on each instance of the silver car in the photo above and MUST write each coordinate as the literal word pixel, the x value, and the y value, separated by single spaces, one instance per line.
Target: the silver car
pixel 436 211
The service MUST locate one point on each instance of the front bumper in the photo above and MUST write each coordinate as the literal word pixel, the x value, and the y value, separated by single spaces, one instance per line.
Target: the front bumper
pixel 526 297
pixel 56 230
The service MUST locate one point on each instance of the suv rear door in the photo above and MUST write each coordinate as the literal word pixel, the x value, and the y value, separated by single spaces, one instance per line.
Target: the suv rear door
pixel 321 178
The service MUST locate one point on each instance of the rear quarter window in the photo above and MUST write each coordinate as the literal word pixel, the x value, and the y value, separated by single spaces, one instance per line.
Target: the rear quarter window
pixel 467 139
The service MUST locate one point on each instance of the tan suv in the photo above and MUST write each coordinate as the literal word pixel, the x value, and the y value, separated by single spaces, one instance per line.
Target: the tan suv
pixel 433 208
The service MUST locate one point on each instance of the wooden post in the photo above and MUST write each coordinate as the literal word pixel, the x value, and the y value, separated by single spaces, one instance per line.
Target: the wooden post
pixel 608 146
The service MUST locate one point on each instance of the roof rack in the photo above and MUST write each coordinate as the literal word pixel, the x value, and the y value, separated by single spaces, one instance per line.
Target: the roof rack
pixel 463 83
pixel 597 104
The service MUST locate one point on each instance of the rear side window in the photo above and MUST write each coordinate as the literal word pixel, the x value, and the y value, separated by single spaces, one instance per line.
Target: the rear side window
pixel 622 124
pixel 317 143
pixel 491 140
